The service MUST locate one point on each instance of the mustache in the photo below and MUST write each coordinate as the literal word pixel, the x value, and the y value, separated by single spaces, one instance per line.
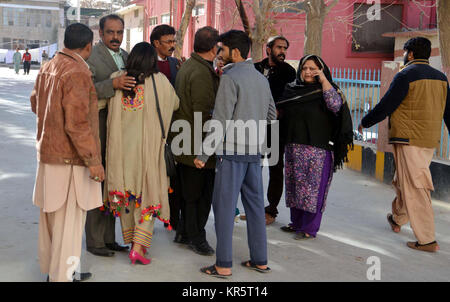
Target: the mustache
pixel 172 49
pixel 114 41
pixel 281 56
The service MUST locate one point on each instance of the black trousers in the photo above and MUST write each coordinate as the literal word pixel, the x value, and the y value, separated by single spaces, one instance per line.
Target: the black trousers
pixel 26 67
pixel 276 184
pixel 176 201
pixel 197 187
pixel 100 228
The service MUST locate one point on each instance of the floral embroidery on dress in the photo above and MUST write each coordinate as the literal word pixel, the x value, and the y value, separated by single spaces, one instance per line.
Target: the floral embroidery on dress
pixel 136 103
pixel 303 170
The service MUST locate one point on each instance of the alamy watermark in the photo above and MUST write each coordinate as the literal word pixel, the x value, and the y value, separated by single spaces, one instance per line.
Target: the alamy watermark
pixel 231 137
pixel 374 271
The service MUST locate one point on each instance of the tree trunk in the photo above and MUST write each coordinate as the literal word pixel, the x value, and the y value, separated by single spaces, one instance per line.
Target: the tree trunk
pixel 185 20
pixel 443 13
pixel 316 11
pixel 313 34
pixel 244 18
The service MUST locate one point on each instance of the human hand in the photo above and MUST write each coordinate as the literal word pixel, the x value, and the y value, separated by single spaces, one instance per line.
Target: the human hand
pixel 124 82
pixel 360 129
pixel 319 73
pixel 199 164
pixel 97 173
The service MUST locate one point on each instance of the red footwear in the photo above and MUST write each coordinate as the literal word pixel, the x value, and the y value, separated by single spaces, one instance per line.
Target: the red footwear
pixel 143 248
pixel 135 256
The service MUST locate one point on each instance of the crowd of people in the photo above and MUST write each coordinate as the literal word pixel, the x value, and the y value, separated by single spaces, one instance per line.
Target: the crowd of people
pixel 104 134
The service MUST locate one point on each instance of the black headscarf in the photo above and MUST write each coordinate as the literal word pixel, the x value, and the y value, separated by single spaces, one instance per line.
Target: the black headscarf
pixel 300 91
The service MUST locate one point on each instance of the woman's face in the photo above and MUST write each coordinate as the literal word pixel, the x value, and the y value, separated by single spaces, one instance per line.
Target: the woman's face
pixel 307 71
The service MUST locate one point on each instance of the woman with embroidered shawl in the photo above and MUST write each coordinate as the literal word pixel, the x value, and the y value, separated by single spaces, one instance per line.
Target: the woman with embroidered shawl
pixel 318 134
pixel 136 185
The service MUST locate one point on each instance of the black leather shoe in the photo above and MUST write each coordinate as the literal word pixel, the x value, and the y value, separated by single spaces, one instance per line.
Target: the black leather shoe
pixel 82 277
pixel 103 251
pixel 181 239
pixel 202 249
pixel 116 247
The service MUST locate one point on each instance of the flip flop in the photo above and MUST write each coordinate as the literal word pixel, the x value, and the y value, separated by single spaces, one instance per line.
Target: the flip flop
pixel 213 272
pixel 302 236
pixel 254 267
pixel 287 228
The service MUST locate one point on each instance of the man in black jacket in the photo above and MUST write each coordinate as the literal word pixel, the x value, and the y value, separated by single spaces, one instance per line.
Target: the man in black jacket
pixel 278 73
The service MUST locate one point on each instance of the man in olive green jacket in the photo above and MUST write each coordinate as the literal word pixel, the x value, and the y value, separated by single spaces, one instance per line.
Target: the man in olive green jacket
pixel 196 85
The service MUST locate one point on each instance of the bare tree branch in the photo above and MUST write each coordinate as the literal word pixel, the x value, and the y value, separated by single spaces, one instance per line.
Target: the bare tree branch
pixel 330 7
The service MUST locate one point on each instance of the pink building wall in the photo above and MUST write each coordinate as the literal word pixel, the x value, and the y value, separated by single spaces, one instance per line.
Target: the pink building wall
pixel 337 39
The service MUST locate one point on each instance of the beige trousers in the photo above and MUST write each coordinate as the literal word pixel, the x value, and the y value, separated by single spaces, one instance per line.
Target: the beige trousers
pixel 413 183
pixel 60 238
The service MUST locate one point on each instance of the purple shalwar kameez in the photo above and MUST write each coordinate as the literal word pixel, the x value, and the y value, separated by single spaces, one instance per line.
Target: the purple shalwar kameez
pixel 309 172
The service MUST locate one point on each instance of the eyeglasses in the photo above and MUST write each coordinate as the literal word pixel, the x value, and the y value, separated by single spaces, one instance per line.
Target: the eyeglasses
pixel 168 41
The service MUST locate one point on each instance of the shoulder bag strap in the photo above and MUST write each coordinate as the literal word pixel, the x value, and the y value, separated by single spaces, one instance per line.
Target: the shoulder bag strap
pixel 158 109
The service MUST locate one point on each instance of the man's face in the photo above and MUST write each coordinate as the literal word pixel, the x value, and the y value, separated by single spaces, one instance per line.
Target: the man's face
pixel 165 46
pixel 226 54
pixel 220 62
pixel 278 51
pixel 112 34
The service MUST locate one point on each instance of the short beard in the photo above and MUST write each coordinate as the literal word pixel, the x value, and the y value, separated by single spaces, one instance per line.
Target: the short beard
pixel 275 59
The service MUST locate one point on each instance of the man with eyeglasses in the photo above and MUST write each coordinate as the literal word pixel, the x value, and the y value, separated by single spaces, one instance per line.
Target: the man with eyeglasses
pixel 163 39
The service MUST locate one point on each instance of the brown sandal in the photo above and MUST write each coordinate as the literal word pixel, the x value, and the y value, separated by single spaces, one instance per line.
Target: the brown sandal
pixel 431 247
pixel 394 226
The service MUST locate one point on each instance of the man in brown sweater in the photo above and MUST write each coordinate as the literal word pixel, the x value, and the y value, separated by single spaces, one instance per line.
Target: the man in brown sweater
pixel 69 168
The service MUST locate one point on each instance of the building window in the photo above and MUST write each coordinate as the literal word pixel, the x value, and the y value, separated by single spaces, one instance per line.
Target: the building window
pixel 367 34
pixel 286 7
pixel 7 43
pixel 8 16
pixel 153 21
pixel 136 13
pixel 165 19
pixel 199 10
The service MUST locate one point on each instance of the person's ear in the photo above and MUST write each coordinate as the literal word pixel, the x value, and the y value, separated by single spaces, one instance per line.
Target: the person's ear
pixel 236 53
pixel 410 55
pixel 157 43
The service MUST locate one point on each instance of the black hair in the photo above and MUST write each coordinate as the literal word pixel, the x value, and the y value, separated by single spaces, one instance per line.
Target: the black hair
pixel 272 41
pixel 77 36
pixel 419 46
pixel 110 17
pixel 161 30
pixel 205 39
pixel 141 63
pixel 237 39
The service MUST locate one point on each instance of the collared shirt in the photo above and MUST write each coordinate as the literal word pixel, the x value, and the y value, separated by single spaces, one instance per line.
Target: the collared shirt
pixel 117 57
pixel 161 59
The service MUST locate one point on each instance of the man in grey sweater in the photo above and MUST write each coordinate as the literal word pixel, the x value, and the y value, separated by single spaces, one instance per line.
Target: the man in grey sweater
pixel 244 97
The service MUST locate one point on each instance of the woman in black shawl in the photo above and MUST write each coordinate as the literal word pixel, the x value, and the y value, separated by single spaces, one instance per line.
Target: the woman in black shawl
pixel 317 131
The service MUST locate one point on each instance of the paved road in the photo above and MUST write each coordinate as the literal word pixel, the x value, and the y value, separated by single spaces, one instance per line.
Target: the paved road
pixel 354 227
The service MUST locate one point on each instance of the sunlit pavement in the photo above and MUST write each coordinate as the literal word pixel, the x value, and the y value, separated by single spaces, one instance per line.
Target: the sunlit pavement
pixel 354 227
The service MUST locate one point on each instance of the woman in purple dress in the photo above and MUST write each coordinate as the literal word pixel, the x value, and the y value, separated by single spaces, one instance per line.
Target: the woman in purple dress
pixel 317 132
